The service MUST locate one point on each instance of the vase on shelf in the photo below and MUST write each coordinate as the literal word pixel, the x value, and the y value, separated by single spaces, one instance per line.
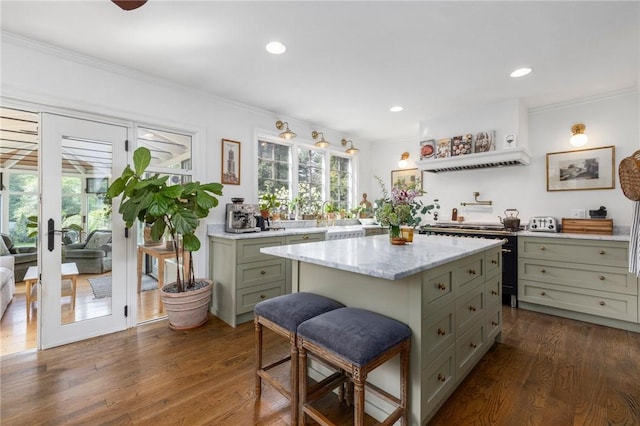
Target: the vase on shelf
pixel 395 235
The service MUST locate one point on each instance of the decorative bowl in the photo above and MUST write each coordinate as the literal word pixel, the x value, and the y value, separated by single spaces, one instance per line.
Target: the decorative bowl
pixel 367 221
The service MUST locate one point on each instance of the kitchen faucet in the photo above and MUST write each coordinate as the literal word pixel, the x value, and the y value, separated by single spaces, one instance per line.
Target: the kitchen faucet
pixel 323 218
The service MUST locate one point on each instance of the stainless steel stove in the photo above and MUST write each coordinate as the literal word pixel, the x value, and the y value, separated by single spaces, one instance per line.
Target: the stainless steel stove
pixel 491 231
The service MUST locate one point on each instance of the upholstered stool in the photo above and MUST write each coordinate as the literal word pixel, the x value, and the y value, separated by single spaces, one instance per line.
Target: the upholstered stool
pixel 282 315
pixel 355 341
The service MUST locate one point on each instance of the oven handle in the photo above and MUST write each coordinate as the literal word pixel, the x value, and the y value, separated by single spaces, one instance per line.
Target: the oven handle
pixel 506 250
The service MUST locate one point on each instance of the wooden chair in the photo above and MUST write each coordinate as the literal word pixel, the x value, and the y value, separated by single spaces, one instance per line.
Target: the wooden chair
pixel 282 315
pixel 355 341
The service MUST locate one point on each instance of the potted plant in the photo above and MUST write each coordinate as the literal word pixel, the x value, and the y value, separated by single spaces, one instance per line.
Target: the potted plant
pixel 177 210
pixel 267 203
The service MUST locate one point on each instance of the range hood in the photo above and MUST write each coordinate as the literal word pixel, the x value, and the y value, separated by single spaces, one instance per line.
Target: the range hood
pixel 483 160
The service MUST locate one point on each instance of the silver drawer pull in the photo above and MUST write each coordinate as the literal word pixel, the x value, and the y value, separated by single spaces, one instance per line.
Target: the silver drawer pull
pixel 472 308
pixel 602 278
pixel 441 332
pixel 506 251
pixel 473 345
pixel 603 252
pixel 263 272
pixel 602 303
pixel 442 378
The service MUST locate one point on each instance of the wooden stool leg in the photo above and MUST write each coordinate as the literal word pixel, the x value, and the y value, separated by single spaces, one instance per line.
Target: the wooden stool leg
pixel 302 382
pixel 404 383
pixel 359 377
pixel 294 379
pixel 258 343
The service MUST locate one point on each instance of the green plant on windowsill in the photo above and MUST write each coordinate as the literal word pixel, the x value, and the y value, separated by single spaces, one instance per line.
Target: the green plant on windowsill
pixel 268 202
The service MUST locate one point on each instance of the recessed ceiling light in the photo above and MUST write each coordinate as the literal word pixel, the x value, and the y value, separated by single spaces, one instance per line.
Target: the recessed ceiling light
pixel 520 72
pixel 276 47
pixel 396 108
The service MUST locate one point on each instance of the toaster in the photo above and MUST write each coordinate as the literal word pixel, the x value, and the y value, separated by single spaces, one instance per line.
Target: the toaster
pixel 543 224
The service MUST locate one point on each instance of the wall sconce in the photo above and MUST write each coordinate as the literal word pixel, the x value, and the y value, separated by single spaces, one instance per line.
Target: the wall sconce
pixel 287 134
pixel 403 160
pixel 352 149
pixel 322 143
pixel 578 138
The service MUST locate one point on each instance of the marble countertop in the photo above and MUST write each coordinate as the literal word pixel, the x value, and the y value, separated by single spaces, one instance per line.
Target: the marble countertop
pixel 376 257
pixel 218 231
pixel 614 237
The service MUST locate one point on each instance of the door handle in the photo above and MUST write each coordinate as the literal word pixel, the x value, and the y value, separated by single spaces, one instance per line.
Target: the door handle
pixel 50 233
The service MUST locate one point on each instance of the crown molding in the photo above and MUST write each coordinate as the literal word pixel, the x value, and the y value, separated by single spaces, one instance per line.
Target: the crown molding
pixel 585 100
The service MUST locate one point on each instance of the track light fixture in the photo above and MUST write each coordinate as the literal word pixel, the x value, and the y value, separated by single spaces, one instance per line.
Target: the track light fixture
pixel 352 149
pixel 287 134
pixel 322 143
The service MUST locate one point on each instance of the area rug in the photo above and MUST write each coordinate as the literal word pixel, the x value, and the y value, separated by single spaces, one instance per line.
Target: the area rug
pixel 101 287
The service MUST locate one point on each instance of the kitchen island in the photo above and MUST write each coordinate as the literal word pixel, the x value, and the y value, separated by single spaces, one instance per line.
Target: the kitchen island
pixel 448 290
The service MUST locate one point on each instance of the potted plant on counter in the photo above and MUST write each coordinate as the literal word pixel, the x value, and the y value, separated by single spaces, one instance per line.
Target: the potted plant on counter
pixel 177 210
pixel 268 203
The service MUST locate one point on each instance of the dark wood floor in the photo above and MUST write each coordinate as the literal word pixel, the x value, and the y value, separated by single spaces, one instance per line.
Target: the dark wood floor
pixel 548 371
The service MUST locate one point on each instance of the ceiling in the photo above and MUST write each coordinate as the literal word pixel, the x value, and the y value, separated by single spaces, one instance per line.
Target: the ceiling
pixel 347 63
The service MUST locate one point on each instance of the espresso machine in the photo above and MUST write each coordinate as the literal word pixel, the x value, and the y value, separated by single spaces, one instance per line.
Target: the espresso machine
pixel 241 217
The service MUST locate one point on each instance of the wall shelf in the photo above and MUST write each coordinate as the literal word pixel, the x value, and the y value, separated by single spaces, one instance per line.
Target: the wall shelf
pixel 483 160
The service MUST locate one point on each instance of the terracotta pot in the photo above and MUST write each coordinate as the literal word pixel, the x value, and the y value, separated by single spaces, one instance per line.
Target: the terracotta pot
pixel 189 309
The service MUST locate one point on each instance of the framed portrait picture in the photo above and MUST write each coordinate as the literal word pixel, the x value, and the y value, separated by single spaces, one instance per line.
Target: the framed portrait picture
pixel 427 149
pixel 443 148
pixel 592 168
pixel 97 185
pixel 230 162
pixel 406 179
pixel 485 141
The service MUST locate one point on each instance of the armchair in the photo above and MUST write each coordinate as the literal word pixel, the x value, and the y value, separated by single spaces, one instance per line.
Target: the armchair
pixel 7 282
pixel 24 257
pixel 93 256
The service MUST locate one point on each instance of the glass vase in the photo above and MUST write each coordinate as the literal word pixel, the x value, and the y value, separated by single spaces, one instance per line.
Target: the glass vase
pixel 395 235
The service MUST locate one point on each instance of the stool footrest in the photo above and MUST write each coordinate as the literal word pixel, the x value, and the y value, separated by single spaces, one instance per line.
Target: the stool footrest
pixel 382 394
pixel 325 385
pixel 274 383
pixel 277 363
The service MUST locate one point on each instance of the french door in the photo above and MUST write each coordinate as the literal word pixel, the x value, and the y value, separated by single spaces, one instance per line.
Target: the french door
pixel 83 279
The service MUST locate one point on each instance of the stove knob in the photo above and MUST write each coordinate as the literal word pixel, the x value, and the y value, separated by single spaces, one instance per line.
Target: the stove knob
pixel 534 226
pixel 551 226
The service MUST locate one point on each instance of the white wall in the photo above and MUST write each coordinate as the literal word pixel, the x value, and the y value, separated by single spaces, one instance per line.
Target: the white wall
pixel 56 79
pixel 611 119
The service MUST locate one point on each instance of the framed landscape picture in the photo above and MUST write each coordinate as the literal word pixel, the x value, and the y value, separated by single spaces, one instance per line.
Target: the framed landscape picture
pixel 461 145
pixel 230 162
pixel 583 169
pixel 427 149
pixel 406 179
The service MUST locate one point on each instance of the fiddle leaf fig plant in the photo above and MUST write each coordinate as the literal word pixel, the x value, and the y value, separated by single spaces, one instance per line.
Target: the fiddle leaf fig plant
pixel 174 209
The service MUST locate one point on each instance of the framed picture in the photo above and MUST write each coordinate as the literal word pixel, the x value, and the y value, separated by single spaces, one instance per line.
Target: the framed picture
pixel 406 179
pixel 583 169
pixel 97 185
pixel 443 148
pixel 427 149
pixel 230 162
pixel 461 145
pixel 485 141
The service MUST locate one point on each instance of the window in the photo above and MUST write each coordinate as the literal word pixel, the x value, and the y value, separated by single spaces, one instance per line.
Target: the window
pixel 340 184
pixel 305 176
pixel 274 173
pixel 310 180
pixel 23 202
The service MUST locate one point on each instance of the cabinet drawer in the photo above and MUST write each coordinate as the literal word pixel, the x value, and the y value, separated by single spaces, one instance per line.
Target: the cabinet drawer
pixel 494 290
pixel 600 303
pixel 247 298
pixel 438 379
pixel 494 262
pixel 590 252
pixel 468 348
pixel 438 332
pixel 254 273
pixel 305 238
pixel 248 250
pixel 437 289
pixel 494 322
pixel 469 273
pixel 470 309
pixel 593 277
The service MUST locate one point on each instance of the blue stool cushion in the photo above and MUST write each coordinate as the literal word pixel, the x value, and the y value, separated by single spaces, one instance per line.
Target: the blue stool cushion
pixel 354 334
pixel 290 310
